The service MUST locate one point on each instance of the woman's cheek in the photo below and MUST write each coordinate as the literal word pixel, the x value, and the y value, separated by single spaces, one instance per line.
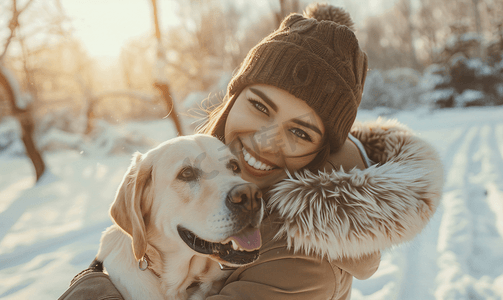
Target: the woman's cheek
pixel 237 121
pixel 299 163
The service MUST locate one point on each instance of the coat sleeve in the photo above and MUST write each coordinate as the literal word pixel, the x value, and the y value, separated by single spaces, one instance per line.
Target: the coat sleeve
pixel 285 278
pixel 361 268
pixel 348 157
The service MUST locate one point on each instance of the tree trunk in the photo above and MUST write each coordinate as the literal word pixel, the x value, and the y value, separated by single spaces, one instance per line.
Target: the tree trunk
pixel 160 81
pixel 478 27
pixel 286 8
pixel 89 116
pixel 25 119
pixel 28 127
pixel 89 103
pixel 23 115
pixel 281 13
pixel 410 37
pixel 170 106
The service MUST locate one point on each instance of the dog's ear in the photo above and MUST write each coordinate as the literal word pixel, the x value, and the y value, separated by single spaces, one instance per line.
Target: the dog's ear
pixel 132 200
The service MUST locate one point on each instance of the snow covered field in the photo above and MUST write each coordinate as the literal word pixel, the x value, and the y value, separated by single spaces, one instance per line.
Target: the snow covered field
pixel 51 231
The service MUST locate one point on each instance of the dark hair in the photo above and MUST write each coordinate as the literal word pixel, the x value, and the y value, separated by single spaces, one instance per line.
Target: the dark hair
pixel 215 126
pixel 217 116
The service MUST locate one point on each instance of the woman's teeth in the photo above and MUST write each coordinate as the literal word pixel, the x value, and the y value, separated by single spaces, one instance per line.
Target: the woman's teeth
pixel 255 163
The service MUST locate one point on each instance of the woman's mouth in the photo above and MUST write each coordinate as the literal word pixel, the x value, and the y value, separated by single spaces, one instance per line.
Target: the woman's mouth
pixel 253 162
pixel 254 166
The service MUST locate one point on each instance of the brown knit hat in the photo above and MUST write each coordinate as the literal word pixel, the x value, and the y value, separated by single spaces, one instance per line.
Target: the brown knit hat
pixel 315 57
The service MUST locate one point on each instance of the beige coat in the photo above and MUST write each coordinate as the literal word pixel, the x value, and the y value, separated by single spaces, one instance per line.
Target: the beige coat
pixel 324 229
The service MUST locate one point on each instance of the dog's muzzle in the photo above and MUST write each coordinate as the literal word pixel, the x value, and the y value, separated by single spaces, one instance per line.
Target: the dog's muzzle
pixel 245 202
pixel 224 252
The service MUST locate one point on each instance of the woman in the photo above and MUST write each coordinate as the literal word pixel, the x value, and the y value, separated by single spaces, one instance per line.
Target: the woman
pixel 288 114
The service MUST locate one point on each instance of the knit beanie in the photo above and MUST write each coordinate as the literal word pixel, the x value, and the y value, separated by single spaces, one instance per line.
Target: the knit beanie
pixel 314 57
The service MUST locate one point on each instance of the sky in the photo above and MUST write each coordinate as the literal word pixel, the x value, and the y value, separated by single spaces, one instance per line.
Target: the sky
pixel 106 26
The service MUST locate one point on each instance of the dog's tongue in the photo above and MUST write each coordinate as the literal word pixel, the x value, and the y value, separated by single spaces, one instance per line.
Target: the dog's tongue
pixel 248 239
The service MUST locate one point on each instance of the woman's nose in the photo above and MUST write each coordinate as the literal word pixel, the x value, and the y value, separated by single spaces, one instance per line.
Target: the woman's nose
pixel 269 140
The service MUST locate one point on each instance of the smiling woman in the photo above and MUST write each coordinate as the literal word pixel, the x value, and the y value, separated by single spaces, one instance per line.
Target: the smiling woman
pixel 287 116
pixel 271 130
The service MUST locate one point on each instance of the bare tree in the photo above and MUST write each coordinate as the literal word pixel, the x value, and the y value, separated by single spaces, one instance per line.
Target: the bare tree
pixel 209 43
pixel 160 80
pixel 426 34
pixel 13 25
pixel 286 7
pixel 478 26
pixel 388 41
pixel 23 114
pixel 406 10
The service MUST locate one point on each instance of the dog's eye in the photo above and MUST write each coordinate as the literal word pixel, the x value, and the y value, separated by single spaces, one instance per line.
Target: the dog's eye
pixel 187 174
pixel 233 165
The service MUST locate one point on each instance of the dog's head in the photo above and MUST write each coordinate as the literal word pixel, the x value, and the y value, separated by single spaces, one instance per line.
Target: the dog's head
pixel 189 190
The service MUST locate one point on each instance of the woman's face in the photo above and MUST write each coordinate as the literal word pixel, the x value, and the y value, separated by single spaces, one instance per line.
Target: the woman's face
pixel 269 130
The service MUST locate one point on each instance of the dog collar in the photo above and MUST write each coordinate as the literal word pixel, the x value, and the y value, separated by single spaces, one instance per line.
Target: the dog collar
pixel 144 263
pixel 226 268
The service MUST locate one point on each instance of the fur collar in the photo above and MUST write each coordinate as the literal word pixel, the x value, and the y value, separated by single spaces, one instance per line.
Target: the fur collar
pixel 352 213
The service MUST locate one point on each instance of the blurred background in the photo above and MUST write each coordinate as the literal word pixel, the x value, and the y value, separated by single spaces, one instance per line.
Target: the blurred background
pixel 84 84
pixel 76 65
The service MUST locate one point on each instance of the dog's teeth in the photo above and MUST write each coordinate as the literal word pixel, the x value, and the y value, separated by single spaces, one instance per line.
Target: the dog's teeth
pixel 234 245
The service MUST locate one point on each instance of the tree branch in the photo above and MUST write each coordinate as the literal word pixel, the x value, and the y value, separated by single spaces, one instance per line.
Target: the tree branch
pixel 13 24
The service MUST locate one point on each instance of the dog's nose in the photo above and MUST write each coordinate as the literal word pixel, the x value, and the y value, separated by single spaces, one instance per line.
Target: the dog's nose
pixel 246 196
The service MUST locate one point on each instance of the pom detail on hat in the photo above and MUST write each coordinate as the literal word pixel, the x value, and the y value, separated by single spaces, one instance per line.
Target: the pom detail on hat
pixel 328 12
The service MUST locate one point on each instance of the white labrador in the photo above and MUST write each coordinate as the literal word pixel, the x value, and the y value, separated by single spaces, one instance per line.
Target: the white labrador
pixel 182 208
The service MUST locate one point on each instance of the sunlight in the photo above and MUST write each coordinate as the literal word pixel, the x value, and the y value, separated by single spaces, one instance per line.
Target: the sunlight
pixel 105 26
pixel 84 85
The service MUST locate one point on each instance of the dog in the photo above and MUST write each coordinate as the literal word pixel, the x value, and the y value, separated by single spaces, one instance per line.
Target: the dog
pixel 181 212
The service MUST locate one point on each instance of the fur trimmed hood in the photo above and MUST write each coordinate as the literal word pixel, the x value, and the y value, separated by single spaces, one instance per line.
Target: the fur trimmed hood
pixel 352 213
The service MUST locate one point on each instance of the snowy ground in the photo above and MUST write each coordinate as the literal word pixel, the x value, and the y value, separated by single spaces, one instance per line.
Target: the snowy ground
pixel 50 232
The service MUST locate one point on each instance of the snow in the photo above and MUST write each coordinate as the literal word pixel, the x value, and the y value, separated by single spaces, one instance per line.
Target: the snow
pixel 454 39
pixel 50 231
pixel 401 88
pixel 467 97
pixel 481 68
pixel 56 139
pixel 458 255
pixel 10 138
pixel 435 96
pixel 499 89
pixel 430 81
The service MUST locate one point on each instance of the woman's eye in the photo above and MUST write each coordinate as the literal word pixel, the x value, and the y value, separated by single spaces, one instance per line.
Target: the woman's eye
pixel 259 106
pixel 301 134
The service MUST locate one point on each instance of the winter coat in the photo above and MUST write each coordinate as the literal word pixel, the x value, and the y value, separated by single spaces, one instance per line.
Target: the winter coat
pixel 93 284
pixel 326 228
